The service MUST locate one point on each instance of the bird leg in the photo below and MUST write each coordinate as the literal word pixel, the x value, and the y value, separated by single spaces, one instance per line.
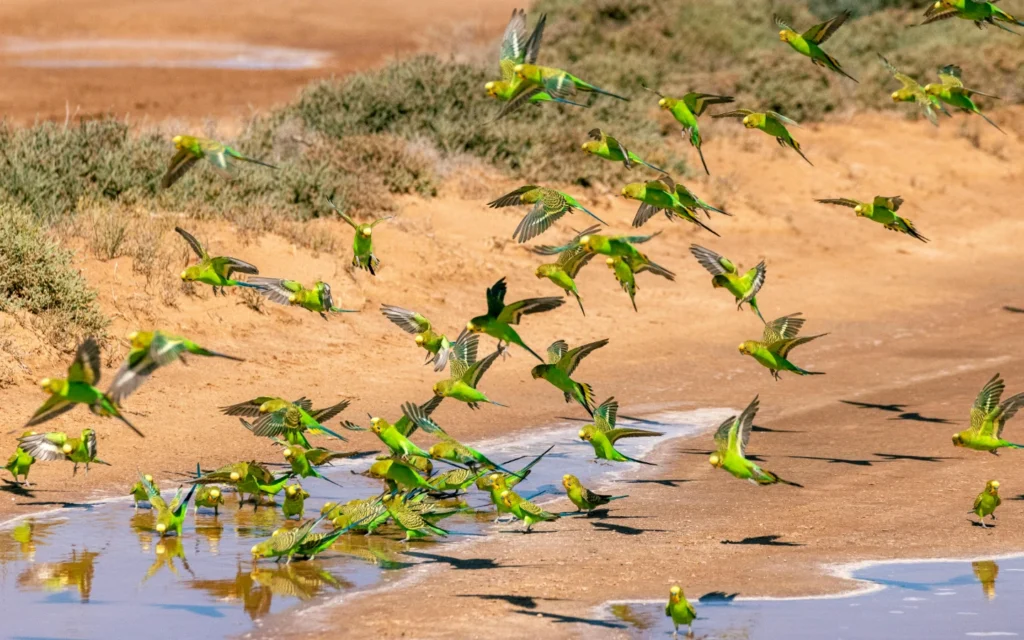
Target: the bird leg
pixel 504 350
pixel 982 521
pixel 74 471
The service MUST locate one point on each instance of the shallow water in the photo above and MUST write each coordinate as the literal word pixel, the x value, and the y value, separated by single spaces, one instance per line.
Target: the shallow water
pixel 78 572
pixel 929 599
pixel 165 54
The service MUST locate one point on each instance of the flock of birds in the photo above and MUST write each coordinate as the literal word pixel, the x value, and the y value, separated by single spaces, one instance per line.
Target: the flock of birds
pixel 415 493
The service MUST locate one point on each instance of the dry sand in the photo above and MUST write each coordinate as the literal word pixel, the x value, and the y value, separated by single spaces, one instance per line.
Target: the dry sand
pixel 920 325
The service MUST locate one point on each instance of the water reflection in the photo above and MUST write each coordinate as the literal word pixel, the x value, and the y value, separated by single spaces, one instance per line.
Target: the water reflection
pixel 256 587
pixel 212 530
pixel 76 572
pixel 21 542
pixel 167 551
pixel 255 598
pixel 986 572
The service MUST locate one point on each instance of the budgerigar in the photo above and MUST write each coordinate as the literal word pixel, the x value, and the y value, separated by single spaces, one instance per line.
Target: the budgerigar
pixel 614 246
pixel 140 493
pixel 284 543
pixel 980 13
pixel 500 317
pixel 466 372
pixel 449 448
pixel 881 210
pixel 317 298
pixel 404 425
pixel 778 339
pixel 363 256
pixel 169 517
pixel 524 510
pixel 582 497
pixel 414 524
pixel 809 43
pixel 686 110
pixel 953 92
pixel 192 149
pixel 548 205
pixel 774 124
pixel 680 610
pixel 726 275
pixel 562 362
pixel 570 261
pixel 294 501
pixel 731 440
pixel 603 434
pixel 20 462
pixel 436 344
pixel 304 462
pixel 604 146
pixel 276 417
pixel 988 418
pixel 660 195
pixel 911 91
pixel 556 83
pixel 215 271
pixel 987 501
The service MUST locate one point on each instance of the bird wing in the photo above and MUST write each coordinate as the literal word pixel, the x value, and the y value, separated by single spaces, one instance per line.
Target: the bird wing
pixel 950 75
pixel 746 423
pixel 736 113
pixel 572 358
pixel 513 44
pixel 478 369
pixel 756 278
pixel 44 446
pixel 842 202
pixel 778 22
pixel 892 203
pixel 781 119
pixel 496 298
pixel 986 402
pixel 537 221
pixel 153 496
pixel 325 414
pixel 54 406
pixel 1007 410
pixel 528 507
pixel 819 33
pixel 406 518
pixel 249 408
pixel 644 213
pixel 512 198
pixel 409 321
pixel 625 432
pixel 557 350
pixel 605 415
pixel 86 367
pixel 782 328
pixel 225 266
pixel 513 313
pixel 182 161
pixel 533 42
pixel 635 239
pixel 165 349
pixel 713 262
pixel 463 354
pixel 420 417
pixel 783 347
pixel 697 103
pixel 722 435
pixel 276 289
pixel 192 242
pixel 573 259
pixel 344 216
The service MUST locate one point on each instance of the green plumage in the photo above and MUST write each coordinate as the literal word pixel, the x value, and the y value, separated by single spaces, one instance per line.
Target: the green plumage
pixel 731 440
pixel 988 418
pixel 778 339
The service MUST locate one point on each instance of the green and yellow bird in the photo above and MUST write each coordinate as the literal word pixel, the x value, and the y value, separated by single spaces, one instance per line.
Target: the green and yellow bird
pixel 169 517
pixel 774 124
pixel 500 317
pixel 524 510
pixel 557 83
pixel 625 276
pixel 139 493
pixel 881 210
pixel 317 298
pixel 725 275
pixel 911 91
pixel 466 372
pixel 304 462
pixel 149 351
pixel 686 111
pixel 56 445
pixel 284 543
pixel 953 92
pixel 208 497
pixel 809 43
pixel 563 272
pixel 436 344
pixel 660 195
pixel 778 339
pixel 395 440
pixel 294 501
pixel 78 388
pixel 449 448
pixel 548 205
pixel 192 149
pixel 276 417
pixel 404 425
pixel 363 256
pixel 582 497
pixel 412 523
pixel 987 501
pixel 680 610
pixel 495 483
pixel 604 146
pixel 562 362
pixel 216 272
pixel 731 440
pixel 399 474
pixel 20 462
pixel 980 13
pixel 988 418
pixel 245 477
pixel 603 434
pixel 614 246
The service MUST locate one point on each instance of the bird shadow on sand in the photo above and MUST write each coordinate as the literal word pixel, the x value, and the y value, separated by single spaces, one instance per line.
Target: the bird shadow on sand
pixel 665 482
pixel 601 514
pixel 523 602
pixel 58 503
pixel 760 429
pixel 901 409
pixel 620 418
pixel 17 489
pixel 976 523
pixel 765 541
pixel 462 564
pixel 717 598
pixel 622 529
pixel 893 457
pixel 561 619
pixel 856 463
pixel 1013 309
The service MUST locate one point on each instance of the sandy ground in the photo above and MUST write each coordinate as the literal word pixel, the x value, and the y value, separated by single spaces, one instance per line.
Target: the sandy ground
pixel 354 34
pixel 914 324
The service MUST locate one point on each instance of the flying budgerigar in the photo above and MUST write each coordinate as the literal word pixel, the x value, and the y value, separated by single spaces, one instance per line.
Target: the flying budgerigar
pixel 466 372
pixel 774 124
pixel 660 195
pixel 56 445
pixel 625 276
pixel 980 13
pixel 778 340
pixel 556 83
pixel 686 110
pixel 952 91
pixel 809 43
pixel 404 425
pixel 436 344
pixel 680 610
pixel 911 91
pixel 149 351
pixel 881 210
pixel 449 448
pixel 987 501
pixel 602 434
pixel 276 417
pixel 731 440
pixel 304 462
pixel 192 149
pixel 78 388
pixel 363 256
pixel 582 497
pixel 988 418
pixel 215 271
pixel 604 146
pixel 562 362
pixel 548 206
pixel 570 261
pixel 614 246
pixel 726 275
pixel 500 317
pixel 317 298
pixel 20 462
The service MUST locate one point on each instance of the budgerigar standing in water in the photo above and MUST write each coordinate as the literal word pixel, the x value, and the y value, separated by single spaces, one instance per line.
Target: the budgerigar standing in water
pixel 727 276
pixel 809 43
pixel 778 340
pixel 363 256
pixel 680 610
pixel 731 440
pixel 192 149
pixel 988 419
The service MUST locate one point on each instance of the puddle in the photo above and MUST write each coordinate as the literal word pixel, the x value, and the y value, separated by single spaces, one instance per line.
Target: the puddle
pixel 164 54
pixel 927 599
pixel 70 573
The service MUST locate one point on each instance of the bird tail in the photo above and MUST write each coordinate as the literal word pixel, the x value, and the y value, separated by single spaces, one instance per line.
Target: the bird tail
pixel 98 461
pixel 911 230
pixel 835 66
pixel 589 87
pixel 610 498
pixel 1012 445
pixel 532 352
pixel 753 305
pixel 248 285
pixel 701 224
pixel 796 147
pixel 337 310
pixel 489 401
pixel 701 154
pixel 323 477
pixel 255 161
pixel 651 166
pixel 990 122
pixel 322 429
pixel 587 393
pixel 579 301
pixel 638 460
pixel 214 354
pixel 586 211
pixel 804 372
pixel 568 102
pixel 776 478
pixel 659 270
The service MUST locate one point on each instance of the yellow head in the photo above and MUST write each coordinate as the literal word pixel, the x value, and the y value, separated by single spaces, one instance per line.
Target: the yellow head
pixel 747 348
pixel 675 593
pixel 291 490
pixel 786 35
pixel 569 481
pixel 255 551
pixel 992 487
pixel 214 493
pixel 235 476
pixel 148 478
pixel 292 299
pixel 748 122
pixel 586 243
pixel 715 460
pixel 584 434
pixel 177 141
pixel 634 190
pixel 50 384
pixel 958 440
pixel 66 448
pixel 376 425
pixel 519 70
pixel 859 210
pixel 366 231
pixel 161 527
pixel 419 339
pixel 590 147
pixel 288 454
pixel 471 327
pixel 438 388
pixel 537 372
pixel 132 336
pixel 664 103
pixel 490 89
pixel 610 261
pixel 190 274
pixel 896 96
